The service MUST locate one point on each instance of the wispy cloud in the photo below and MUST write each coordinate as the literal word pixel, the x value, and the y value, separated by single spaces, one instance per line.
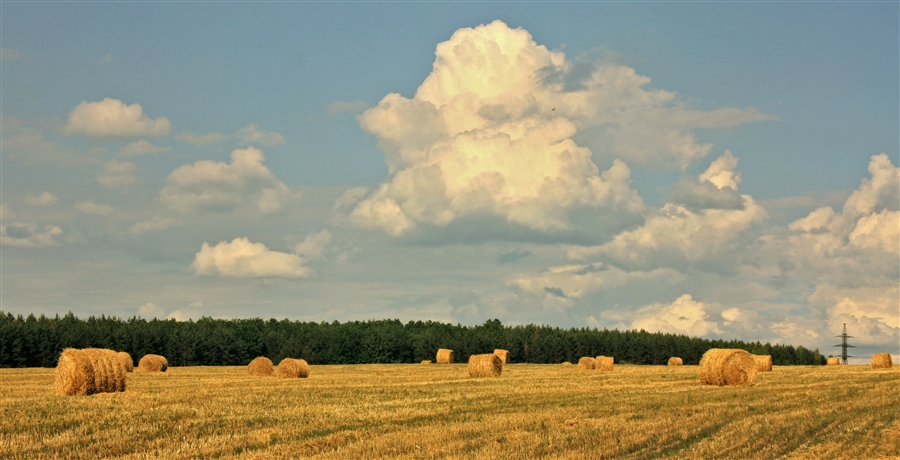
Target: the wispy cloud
pixel 341 107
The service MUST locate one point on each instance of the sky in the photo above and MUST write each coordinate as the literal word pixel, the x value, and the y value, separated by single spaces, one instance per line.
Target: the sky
pixel 722 170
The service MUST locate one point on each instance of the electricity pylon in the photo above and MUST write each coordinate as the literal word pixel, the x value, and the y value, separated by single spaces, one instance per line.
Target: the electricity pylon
pixel 844 345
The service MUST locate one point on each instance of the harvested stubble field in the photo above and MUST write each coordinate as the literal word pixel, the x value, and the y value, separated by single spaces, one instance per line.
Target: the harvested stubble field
pixel 437 411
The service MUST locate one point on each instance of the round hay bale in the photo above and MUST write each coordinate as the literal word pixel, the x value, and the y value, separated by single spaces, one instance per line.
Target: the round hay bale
pixel 566 363
pixel 261 367
pixel 676 361
pixel 763 363
pixel 104 378
pixel 503 354
pixel 489 365
pixel 74 373
pixel 153 363
pixel 290 368
pixel 426 361
pixel 725 366
pixel 882 361
pixel 444 356
pixel 834 361
pixel 586 362
pixel 604 363
pixel 126 360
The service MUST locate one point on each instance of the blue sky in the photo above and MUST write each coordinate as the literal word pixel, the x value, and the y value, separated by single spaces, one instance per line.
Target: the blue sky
pixel 667 166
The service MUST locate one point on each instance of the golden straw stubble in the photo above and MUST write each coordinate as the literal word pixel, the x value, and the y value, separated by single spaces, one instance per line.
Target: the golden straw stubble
pixel 444 356
pixel 290 368
pixel 74 373
pixel 489 365
pixel 153 363
pixel 726 366
pixel 261 367
pixel 882 361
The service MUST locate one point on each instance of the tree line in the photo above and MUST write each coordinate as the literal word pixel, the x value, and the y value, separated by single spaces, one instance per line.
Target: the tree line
pixel 38 341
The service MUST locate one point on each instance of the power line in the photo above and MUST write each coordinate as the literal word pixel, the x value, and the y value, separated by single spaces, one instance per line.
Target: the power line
pixel 844 345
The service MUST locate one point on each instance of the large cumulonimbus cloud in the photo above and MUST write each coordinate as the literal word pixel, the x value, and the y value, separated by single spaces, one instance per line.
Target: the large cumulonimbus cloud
pixel 219 186
pixel 114 118
pixel 491 132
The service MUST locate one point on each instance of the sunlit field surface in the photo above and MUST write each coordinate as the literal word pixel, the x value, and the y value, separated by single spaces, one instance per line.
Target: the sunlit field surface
pixel 437 411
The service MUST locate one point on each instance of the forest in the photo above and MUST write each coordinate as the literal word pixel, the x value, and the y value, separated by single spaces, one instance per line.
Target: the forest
pixel 37 341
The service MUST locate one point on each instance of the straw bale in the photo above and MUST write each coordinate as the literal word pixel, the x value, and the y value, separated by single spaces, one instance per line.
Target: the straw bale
pixel 74 373
pixel 489 365
pixel 604 363
pixel 153 363
pixel 261 367
pixel 109 372
pixel 426 361
pixel 675 361
pixel 763 363
pixel 290 368
pixel 586 362
pixel 566 363
pixel 882 361
pixel 126 360
pixel 834 361
pixel 503 354
pixel 445 356
pixel 725 366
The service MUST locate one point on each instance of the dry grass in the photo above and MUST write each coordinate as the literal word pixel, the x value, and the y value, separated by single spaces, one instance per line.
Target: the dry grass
pixel 503 354
pixel 261 367
pixel 882 361
pixel 290 368
pixel 675 361
pixel 485 365
pixel 834 361
pixel 727 366
pixel 417 412
pixel 153 363
pixel 763 363
pixel 444 356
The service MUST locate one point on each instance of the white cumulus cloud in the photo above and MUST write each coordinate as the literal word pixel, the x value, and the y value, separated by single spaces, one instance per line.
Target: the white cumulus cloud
pixel 114 118
pixel 142 147
pixel 45 199
pixel 94 209
pixel 683 316
pixel 243 259
pixel 117 175
pixel 218 186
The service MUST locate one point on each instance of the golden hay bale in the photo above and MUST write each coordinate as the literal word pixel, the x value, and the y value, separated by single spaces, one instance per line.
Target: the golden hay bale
pixel 489 365
pixel 604 363
pixel 109 372
pixel 566 363
pixel 290 368
pixel 74 374
pixel 763 363
pixel 882 361
pixel 725 366
pixel 261 367
pixel 586 362
pixel 445 356
pixel 676 361
pixel 426 361
pixel 834 361
pixel 126 360
pixel 503 354
pixel 153 363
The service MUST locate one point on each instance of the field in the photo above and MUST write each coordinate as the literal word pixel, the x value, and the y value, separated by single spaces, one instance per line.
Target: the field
pixel 437 411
